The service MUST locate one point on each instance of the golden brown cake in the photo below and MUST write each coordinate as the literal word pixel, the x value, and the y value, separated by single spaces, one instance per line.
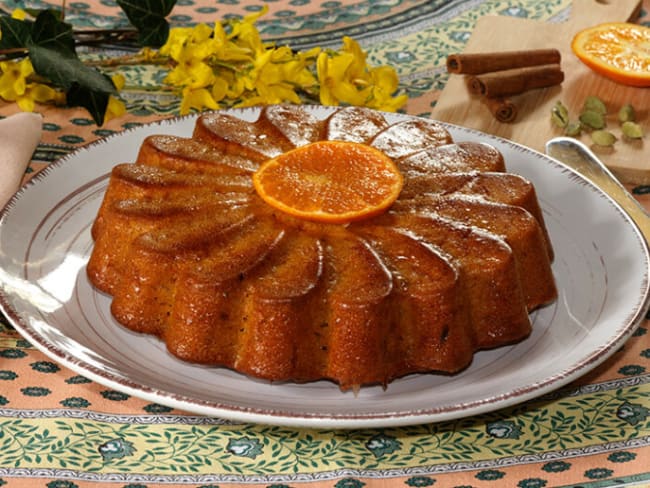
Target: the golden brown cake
pixel 192 254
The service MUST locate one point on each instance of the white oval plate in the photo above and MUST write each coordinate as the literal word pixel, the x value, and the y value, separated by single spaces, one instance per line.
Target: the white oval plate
pixel 601 267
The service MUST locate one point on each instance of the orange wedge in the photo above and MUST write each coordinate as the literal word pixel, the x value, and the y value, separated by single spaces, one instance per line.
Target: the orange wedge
pixel 330 181
pixel 618 50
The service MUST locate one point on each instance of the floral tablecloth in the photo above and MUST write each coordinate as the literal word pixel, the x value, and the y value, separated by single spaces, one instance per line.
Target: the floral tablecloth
pixel 61 430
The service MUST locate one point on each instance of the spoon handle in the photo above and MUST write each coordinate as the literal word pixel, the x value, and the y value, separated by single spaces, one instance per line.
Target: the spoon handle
pixel 579 157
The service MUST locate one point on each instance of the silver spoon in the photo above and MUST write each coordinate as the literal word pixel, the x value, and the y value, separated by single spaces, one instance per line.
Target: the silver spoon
pixel 579 157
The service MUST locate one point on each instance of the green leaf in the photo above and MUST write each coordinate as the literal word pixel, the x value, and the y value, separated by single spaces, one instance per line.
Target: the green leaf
pixel 85 86
pixel 65 71
pixel 15 33
pixel 93 101
pixel 48 31
pixel 153 36
pixel 148 17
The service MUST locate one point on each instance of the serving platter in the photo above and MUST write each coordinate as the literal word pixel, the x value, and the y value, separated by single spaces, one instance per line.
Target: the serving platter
pixel 601 268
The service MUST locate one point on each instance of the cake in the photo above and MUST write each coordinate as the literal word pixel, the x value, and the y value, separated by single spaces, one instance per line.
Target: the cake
pixel 190 253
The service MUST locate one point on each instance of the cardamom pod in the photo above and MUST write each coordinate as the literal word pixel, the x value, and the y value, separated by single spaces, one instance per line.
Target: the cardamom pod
pixel 632 130
pixel 573 129
pixel 560 115
pixel 592 119
pixel 594 104
pixel 626 114
pixel 603 138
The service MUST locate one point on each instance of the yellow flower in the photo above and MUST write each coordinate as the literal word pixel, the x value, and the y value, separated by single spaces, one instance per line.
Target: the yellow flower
pixel 276 76
pixel 116 107
pixel 246 33
pixel 336 83
pixel 231 62
pixel 16 87
pixel 346 78
pixel 295 69
pixel 198 99
pixel 199 53
pixel 358 70
pixel 227 50
pixel 175 41
pixel 219 89
pixel 118 81
pixel 190 47
pixel 236 86
pixel 25 103
pixel 192 72
pixel 39 93
pixel 384 84
pixel 19 14
pixel 42 93
pixel 181 37
pixel 13 80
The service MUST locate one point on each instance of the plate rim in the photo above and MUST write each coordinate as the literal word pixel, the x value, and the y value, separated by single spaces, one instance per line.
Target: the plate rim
pixel 331 420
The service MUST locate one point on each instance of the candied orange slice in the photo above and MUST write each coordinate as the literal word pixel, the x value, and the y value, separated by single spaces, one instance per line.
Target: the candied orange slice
pixel 330 181
pixel 618 50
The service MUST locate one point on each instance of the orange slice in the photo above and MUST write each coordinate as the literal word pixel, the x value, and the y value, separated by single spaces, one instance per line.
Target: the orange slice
pixel 617 50
pixel 330 181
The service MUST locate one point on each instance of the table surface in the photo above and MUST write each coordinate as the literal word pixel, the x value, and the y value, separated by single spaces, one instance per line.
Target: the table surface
pixel 61 430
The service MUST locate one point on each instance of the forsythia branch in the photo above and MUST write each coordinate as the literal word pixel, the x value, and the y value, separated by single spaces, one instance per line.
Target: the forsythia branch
pixel 208 66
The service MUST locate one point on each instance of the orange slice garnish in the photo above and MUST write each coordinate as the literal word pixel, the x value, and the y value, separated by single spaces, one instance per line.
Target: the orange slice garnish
pixel 618 50
pixel 330 181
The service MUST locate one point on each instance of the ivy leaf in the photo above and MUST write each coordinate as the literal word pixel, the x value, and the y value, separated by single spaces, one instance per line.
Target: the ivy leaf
pixel 64 71
pixel 148 17
pixel 51 46
pixel 50 32
pixel 15 33
pixel 85 86
pixel 153 36
pixel 95 102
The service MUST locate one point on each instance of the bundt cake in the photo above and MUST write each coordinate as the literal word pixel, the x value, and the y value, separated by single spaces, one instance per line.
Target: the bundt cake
pixel 189 252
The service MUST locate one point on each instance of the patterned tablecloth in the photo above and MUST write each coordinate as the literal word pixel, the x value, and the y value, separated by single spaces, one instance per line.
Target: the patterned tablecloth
pixel 61 430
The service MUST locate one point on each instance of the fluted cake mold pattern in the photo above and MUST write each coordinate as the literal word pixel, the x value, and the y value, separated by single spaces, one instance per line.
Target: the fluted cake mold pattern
pixel 190 253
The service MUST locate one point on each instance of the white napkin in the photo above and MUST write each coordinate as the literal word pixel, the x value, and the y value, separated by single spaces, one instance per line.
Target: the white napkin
pixel 19 136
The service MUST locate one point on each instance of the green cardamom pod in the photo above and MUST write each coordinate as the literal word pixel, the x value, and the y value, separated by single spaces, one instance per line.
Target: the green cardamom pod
pixel 594 104
pixel 559 115
pixel 626 114
pixel 573 129
pixel 603 138
pixel 592 119
pixel 632 130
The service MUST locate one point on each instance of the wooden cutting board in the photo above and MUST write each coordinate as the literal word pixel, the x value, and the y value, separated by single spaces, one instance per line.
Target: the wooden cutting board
pixel 629 160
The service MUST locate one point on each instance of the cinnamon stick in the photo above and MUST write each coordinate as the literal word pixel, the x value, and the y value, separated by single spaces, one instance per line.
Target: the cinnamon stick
pixel 477 63
pixel 503 109
pixel 515 81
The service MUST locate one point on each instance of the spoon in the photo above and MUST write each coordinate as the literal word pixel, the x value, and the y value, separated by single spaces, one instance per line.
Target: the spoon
pixel 580 158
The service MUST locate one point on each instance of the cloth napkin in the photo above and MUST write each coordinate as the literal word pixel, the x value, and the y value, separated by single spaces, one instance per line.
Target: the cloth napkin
pixel 19 136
